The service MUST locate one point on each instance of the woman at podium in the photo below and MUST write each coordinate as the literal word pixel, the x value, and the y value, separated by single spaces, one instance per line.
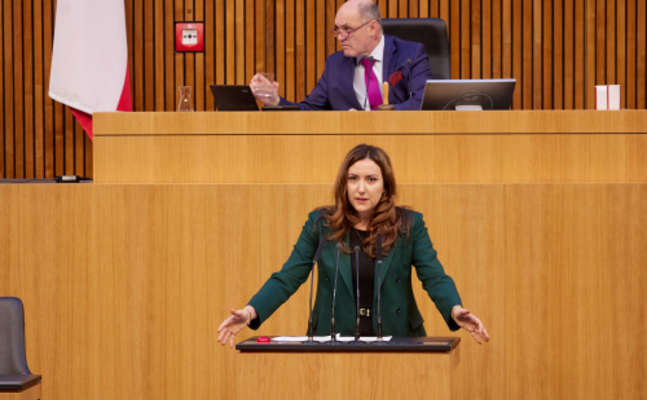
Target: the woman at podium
pixel 363 225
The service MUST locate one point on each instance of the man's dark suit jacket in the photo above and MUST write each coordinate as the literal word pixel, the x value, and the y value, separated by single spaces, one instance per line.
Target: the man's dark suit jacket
pixel 400 314
pixel 334 91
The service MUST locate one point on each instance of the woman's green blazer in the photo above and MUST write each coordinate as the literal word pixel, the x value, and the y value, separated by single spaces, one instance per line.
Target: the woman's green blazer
pixel 400 314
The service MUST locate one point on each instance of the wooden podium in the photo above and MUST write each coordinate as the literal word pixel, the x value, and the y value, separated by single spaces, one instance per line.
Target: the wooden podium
pixel 529 210
pixel 306 147
pixel 403 368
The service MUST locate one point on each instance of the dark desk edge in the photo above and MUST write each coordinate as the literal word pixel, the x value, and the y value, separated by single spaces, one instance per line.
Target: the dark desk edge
pixel 396 345
pixel 15 383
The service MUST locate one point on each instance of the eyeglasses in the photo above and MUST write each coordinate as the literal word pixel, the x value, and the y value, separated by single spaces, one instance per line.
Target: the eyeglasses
pixel 347 32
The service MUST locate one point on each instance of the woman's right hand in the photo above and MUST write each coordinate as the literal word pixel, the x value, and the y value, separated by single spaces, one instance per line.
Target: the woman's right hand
pixel 235 323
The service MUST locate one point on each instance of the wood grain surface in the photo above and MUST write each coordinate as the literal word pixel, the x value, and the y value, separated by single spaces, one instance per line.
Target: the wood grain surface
pixel 32 393
pixel 125 285
pixel 557 50
pixel 518 146
pixel 321 376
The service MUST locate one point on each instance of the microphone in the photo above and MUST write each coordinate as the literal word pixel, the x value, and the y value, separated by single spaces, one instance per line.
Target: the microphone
pixel 368 79
pixel 357 332
pixel 408 62
pixel 379 287
pixel 334 296
pixel 322 242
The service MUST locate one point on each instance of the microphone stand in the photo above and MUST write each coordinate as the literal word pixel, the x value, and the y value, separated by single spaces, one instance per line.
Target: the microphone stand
pixel 333 339
pixel 357 330
pixel 311 336
pixel 322 242
pixel 379 287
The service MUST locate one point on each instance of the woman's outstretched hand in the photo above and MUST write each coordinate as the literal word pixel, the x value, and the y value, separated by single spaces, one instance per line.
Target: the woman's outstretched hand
pixel 470 323
pixel 234 324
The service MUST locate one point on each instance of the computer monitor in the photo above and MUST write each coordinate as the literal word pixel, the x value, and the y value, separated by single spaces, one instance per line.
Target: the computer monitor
pixel 468 94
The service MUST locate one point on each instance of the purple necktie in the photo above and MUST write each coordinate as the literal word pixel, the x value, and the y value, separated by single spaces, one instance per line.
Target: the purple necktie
pixel 374 95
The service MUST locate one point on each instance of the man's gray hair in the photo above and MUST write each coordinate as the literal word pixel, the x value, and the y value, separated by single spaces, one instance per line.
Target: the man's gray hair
pixel 370 11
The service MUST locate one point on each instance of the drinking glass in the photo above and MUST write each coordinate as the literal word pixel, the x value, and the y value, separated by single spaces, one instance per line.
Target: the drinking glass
pixel 267 89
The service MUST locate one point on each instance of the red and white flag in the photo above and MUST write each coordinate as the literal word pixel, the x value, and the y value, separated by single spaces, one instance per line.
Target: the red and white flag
pixel 90 58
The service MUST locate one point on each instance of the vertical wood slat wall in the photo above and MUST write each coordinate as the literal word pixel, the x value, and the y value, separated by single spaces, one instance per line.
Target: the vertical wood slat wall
pixel 556 49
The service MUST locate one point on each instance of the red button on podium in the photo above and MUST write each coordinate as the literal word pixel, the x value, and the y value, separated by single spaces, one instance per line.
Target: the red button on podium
pixel 263 339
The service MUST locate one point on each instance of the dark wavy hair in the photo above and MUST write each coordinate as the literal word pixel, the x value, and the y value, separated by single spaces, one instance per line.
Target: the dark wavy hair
pixel 388 219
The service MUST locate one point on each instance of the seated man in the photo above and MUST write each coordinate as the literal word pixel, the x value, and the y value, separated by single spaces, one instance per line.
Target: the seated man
pixel 352 78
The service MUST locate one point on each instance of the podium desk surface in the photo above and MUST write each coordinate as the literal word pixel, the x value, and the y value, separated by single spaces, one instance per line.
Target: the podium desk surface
pixel 395 345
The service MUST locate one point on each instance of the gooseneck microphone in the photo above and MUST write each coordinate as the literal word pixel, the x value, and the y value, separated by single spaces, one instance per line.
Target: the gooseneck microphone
pixel 379 287
pixel 357 331
pixel 334 296
pixel 322 242
pixel 368 80
pixel 409 94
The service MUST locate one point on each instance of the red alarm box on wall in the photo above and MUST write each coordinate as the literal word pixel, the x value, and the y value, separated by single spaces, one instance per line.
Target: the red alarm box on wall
pixel 189 37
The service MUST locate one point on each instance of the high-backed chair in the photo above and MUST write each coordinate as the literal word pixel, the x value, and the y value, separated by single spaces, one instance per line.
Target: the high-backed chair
pixel 14 372
pixel 432 32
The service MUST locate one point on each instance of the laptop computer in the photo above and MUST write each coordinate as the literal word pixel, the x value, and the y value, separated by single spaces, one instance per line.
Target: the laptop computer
pixel 234 98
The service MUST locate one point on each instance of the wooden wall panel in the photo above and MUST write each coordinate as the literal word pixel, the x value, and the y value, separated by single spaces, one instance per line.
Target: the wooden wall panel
pixel 38 92
pixel 8 71
pixel 48 23
pixel 557 50
pixel 279 31
pixel 558 54
pixel 10 236
pixel 3 27
pixel 576 233
pixel 17 34
pixel 641 53
pixel 525 80
pixel 124 283
pixel 28 85
pixel 239 31
pixel 449 233
pixel 630 65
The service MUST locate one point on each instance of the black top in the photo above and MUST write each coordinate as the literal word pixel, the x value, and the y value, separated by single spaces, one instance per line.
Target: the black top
pixel 366 280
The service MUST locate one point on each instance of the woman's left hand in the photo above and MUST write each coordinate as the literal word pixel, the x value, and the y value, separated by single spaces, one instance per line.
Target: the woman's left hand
pixel 470 323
